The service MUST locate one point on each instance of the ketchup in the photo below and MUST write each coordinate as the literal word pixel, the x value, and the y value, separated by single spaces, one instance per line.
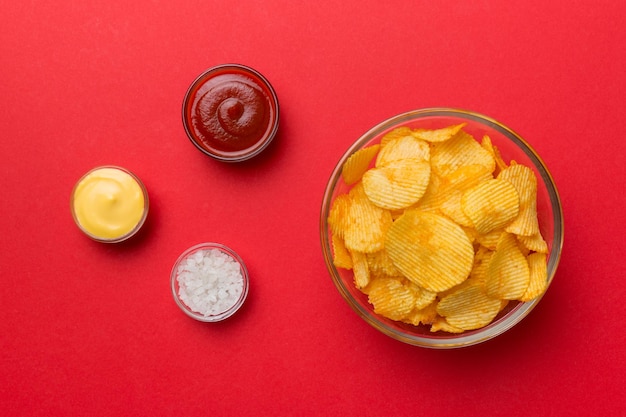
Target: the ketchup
pixel 230 112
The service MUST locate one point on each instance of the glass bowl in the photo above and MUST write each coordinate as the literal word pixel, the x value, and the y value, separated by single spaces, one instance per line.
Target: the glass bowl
pixel 511 146
pixel 209 282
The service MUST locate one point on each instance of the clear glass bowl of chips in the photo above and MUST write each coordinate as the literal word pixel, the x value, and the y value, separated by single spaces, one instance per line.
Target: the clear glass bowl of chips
pixel 459 301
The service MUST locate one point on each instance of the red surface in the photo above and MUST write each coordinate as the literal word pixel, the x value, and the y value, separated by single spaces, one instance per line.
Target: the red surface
pixel 90 329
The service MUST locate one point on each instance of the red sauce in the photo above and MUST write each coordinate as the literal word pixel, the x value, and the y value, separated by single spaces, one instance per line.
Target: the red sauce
pixel 231 112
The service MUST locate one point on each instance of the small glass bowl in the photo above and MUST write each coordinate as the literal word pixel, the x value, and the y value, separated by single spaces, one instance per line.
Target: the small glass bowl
pixel 231 86
pixel 222 313
pixel 511 146
pixel 90 233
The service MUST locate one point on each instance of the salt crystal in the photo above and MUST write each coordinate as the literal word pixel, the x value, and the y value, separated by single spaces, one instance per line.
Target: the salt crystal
pixel 197 257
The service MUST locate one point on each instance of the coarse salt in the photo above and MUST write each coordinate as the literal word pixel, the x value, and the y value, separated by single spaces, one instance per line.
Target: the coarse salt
pixel 210 282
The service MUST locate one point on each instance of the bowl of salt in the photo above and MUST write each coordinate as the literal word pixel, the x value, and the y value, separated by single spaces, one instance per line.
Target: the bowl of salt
pixel 209 282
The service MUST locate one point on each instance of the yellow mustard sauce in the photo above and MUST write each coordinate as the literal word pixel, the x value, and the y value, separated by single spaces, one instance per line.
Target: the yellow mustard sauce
pixel 108 203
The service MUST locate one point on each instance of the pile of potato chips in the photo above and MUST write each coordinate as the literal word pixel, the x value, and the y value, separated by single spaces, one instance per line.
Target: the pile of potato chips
pixel 438 230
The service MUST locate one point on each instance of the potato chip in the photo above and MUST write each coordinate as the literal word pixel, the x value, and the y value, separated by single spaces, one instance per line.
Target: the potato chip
pixel 447 197
pixel 427 315
pixel 360 269
pixel 442 325
pixel 537 263
pixel 423 297
pixel 464 178
pixel 471 234
pixel 438 135
pixel 396 133
pixel 339 215
pixel 491 204
pixel 357 163
pixel 508 273
pixel 341 256
pixel 446 157
pixel 398 184
pixel 522 249
pixel 366 225
pixel 451 208
pixel 490 239
pixel 430 250
pixel 478 274
pixel 390 298
pixel 469 308
pixel 495 153
pixel 406 147
pixel 525 182
pixel 381 265
pixel 430 201
pixel 534 243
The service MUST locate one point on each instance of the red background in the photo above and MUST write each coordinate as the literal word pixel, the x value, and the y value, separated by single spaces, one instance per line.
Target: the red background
pixel 91 329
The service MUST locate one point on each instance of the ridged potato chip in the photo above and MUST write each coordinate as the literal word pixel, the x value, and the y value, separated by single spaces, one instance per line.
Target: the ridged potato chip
pixel 478 275
pixel 426 315
pixel 438 135
pixel 442 325
pixel 471 233
pixel 396 133
pixel 398 184
pixel 341 256
pixel 453 186
pixel 537 263
pixel 525 182
pixel 391 298
pixel 406 147
pixel 464 178
pixel 357 163
pixel 430 201
pixel 491 204
pixel 446 157
pixel 469 308
pixel 339 215
pixel 508 273
pixel 381 265
pixel 367 224
pixel 452 208
pixel 495 153
pixel 430 250
pixel 360 269
pixel 490 239
pixel 423 297
pixel 534 243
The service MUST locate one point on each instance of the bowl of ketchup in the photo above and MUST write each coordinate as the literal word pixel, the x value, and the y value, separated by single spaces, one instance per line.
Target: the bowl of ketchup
pixel 230 112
